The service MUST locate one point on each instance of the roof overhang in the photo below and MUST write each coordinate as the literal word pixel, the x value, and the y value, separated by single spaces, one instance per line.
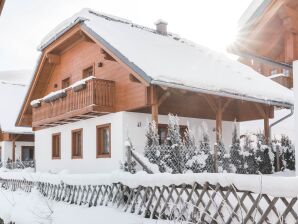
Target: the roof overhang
pixel 223 94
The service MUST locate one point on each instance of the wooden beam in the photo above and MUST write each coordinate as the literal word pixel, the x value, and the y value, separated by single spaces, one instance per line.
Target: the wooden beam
pixel 53 58
pixel 289 47
pixel 226 104
pixel 210 102
pixel 154 104
pixel 163 98
pixel 132 78
pixel 218 128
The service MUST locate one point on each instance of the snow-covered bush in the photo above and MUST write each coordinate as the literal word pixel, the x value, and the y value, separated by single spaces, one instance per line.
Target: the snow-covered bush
pixel 237 157
pixel 289 152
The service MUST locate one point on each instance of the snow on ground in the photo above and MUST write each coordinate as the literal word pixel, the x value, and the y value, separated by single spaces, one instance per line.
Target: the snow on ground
pixel 272 185
pixel 32 208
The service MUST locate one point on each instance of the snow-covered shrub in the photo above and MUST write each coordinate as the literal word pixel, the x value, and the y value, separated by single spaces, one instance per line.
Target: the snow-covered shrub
pixel 248 151
pixel 176 160
pixel 152 143
pixel 205 148
pixel 224 159
pixel 237 158
pixel 263 157
pixel 288 152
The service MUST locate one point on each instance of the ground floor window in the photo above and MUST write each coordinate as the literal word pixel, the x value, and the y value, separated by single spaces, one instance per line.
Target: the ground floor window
pixel 103 141
pixel 77 144
pixel 56 145
pixel 163 132
pixel 27 153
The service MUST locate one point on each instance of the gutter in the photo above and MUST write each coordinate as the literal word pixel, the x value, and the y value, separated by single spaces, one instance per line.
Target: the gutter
pixel 223 94
pixel 279 121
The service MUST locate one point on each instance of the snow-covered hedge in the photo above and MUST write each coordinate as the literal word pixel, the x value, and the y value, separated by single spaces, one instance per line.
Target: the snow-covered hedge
pixel 182 152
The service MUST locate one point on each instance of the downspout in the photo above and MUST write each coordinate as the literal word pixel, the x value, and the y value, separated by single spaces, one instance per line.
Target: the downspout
pixel 278 121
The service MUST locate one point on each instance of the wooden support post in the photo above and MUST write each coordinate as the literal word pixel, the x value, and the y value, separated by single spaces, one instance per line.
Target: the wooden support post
pixel 218 130
pixel 13 149
pixel 266 126
pixel 154 104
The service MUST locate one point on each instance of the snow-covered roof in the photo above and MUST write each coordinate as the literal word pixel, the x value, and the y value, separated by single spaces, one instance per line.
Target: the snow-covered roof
pixel 173 61
pixel 12 94
pixel 255 9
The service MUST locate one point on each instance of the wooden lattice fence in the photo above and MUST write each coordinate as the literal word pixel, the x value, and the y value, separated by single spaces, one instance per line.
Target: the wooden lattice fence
pixel 195 203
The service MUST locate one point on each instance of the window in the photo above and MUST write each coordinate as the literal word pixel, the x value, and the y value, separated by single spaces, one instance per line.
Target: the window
pixel 286 72
pixel 88 72
pixel 77 144
pixel 27 153
pixel 103 141
pixel 163 132
pixel 56 146
pixel 65 83
pixel 273 72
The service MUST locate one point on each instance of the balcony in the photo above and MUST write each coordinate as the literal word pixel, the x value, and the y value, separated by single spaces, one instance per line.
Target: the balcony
pixel 84 100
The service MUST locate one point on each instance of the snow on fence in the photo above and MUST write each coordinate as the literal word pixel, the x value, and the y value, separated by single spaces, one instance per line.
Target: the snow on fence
pixel 222 198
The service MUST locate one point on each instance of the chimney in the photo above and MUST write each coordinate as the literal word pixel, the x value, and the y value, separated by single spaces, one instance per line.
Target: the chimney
pixel 161 27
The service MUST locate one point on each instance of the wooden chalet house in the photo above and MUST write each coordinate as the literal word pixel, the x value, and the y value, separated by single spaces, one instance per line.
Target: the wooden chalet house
pixel 16 143
pixel 100 78
pixel 268 39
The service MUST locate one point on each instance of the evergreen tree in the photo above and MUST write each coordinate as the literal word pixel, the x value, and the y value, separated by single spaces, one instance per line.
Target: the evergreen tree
pixel 224 161
pixel 236 154
pixel 289 152
pixel 206 150
pixel 176 160
pixel 262 155
pixel 194 157
pixel 251 164
pixel 152 148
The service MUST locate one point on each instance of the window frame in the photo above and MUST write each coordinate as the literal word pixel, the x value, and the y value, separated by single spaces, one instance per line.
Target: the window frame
pixel 87 68
pixel 59 149
pixel 182 129
pixel 73 132
pixel 30 147
pixel 64 81
pixel 99 153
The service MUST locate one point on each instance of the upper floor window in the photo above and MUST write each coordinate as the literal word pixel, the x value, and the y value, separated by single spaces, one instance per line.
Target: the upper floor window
pixel 56 145
pixel 77 144
pixel 163 132
pixel 88 72
pixel 65 83
pixel 103 141
pixel 273 72
pixel 286 72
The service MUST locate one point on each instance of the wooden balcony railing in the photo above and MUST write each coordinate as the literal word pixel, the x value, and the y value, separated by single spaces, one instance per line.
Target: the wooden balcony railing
pixel 95 98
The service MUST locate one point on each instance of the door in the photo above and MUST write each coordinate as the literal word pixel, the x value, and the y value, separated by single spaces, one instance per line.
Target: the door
pixel 27 153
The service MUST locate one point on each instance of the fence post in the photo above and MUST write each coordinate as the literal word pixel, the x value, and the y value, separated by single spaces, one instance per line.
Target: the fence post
pixel 277 154
pixel 128 154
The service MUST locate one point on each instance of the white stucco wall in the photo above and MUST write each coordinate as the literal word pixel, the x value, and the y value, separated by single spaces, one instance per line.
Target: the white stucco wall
pixel 123 125
pixel 89 163
pixel 137 134
pixel 6 151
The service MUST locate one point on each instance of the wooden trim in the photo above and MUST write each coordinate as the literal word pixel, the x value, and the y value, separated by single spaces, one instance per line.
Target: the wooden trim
pixel 59 149
pixel 154 104
pixel 87 67
pixel 73 145
pixel 99 153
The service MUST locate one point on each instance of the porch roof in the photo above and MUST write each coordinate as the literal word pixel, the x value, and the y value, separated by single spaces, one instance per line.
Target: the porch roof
pixel 176 62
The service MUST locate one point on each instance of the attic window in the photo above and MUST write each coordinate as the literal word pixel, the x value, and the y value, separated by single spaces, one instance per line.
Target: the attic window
pixel 88 72
pixel 65 83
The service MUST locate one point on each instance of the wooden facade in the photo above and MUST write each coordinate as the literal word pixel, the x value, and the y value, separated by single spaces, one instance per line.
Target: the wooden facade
pixel 272 35
pixel 116 87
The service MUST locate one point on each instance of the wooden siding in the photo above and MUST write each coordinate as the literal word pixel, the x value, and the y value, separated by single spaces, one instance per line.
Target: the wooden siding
pixel 1 5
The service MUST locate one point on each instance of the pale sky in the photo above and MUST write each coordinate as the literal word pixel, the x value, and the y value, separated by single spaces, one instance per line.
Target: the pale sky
pixel 23 23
